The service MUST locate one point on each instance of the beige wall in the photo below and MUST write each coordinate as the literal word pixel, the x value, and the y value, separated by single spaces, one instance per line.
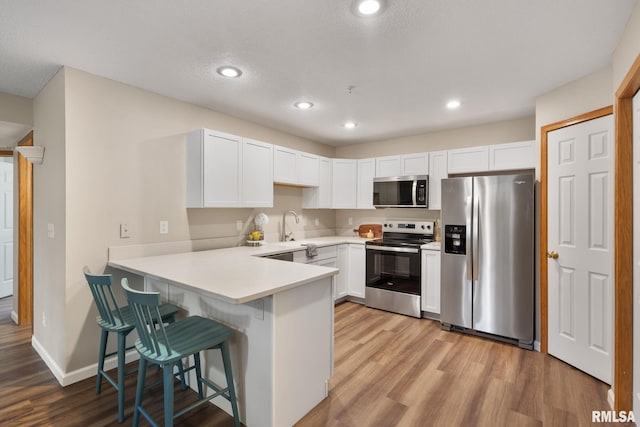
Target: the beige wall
pixel 628 48
pixel 521 129
pixel 116 154
pixel 50 207
pixel 578 97
pixel 16 109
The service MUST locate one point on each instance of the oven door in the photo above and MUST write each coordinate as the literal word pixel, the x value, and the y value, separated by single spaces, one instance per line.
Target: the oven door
pixel 392 268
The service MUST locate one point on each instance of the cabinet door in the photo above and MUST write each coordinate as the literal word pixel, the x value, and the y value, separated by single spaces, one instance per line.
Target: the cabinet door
pixel 284 165
pixel 340 281
pixel 473 159
pixel 257 173
pixel 221 170
pixel 345 183
pixel 308 169
pixel 437 172
pixel 320 197
pixel 366 172
pixel 388 166
pixel 431 281
pixel 515 155
pixel 357 270
pixel 415 164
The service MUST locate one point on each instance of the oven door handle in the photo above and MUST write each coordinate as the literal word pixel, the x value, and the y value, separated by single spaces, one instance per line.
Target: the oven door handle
pixel 393 249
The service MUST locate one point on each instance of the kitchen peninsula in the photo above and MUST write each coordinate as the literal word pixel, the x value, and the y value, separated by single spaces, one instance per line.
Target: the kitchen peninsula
pixel 281 312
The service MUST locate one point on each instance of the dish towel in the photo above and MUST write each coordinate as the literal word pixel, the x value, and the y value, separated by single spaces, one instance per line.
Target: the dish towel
pixel 312 250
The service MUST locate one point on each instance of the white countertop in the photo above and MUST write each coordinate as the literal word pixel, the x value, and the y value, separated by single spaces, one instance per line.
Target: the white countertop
pixel 236 275
pixel 433 246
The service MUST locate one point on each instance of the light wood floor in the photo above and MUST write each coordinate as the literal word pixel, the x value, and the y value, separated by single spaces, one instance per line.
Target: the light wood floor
pixel 390 370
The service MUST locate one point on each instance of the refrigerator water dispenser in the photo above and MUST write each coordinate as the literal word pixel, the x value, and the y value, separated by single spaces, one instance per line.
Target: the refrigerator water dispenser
pixel 455 239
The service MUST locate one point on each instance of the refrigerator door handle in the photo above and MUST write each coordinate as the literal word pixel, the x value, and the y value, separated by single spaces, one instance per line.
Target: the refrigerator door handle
pixel 476 235
pixel 469 248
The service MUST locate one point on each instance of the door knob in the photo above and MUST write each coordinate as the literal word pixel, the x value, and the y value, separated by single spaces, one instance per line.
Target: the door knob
pixel 552 255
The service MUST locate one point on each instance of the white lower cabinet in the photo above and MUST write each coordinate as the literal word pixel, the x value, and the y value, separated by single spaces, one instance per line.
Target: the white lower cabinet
pixel 357 271
pixel 431 281
pixel 352 265
pixel 340 281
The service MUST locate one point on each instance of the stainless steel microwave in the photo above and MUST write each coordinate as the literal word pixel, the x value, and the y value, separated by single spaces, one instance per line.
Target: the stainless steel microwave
pixel 401 192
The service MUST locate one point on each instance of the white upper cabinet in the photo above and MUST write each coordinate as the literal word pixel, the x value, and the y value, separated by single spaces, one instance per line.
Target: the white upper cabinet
pixel 437 172
pixel 415 164
pixel 345 183
pixel 403 165
pixel 320 197
pixel 472 159
pixel 257 173
pixel 217 175
pixel 388 166
pixel 515 155
pixel 295 167
pixel 366 173
pixel 284 165
pixel 308 169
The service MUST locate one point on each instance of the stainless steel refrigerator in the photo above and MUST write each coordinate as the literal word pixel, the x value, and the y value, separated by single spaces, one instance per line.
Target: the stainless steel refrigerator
pixel 487 261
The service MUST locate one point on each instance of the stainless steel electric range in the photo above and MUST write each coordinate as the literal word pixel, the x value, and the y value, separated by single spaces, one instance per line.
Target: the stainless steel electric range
pixel 394 266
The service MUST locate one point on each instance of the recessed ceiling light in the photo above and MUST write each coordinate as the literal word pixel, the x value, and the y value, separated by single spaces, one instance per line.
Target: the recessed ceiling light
pixel 350 125
pixel 453 104
pixel 368 7
pixel 229 71
pixel 303 105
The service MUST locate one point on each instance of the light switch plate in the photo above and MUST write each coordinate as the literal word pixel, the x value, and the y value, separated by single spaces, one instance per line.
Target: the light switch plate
pixel 50 231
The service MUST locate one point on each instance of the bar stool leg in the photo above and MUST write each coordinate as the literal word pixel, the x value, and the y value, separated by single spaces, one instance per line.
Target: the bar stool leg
pixel 101 352
pixel 142 373
pixel 122 345
pixel 232 389
pixel 167 373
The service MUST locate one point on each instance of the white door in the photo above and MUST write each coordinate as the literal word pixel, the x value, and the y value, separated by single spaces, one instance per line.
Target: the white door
pixel 6 228
pixel 636 253
pixel 580 232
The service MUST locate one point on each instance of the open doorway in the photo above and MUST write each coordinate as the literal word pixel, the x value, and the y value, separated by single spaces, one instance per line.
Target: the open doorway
pixel 6 223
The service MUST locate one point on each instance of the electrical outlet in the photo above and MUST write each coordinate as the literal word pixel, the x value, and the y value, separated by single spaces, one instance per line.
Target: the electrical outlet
pixel 50 231
pixel 44 320
pixel 350 221
pixel 239 225
pixel 124 231
pixel 259 309
pixel 317 222
pixel 164 227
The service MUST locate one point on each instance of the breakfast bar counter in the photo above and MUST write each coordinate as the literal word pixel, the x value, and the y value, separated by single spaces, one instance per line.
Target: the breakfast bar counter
pixel 281 313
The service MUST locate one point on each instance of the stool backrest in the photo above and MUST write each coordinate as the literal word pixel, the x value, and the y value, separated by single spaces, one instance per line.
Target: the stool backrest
pixel 108 308
pixel 146 312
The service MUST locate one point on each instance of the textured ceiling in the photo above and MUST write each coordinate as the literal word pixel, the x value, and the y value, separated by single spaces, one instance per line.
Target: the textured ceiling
pixel 495 56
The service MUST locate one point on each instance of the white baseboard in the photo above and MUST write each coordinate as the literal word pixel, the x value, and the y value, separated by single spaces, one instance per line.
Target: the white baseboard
pixel 611 398
pixel 536 346
pixel 14 316
pixel 67 378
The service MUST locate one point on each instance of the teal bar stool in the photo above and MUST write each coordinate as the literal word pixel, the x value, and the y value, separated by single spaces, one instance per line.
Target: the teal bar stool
pixel 119 320
pixel 167 345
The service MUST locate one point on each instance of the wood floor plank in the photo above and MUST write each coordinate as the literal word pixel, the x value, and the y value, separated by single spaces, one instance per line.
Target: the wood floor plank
pixel 390 370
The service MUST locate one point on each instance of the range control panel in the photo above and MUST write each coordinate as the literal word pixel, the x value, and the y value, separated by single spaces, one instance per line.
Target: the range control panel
pixel 417 227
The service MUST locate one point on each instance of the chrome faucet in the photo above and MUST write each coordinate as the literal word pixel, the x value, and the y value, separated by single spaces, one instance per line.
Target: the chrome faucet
pixel 284 236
